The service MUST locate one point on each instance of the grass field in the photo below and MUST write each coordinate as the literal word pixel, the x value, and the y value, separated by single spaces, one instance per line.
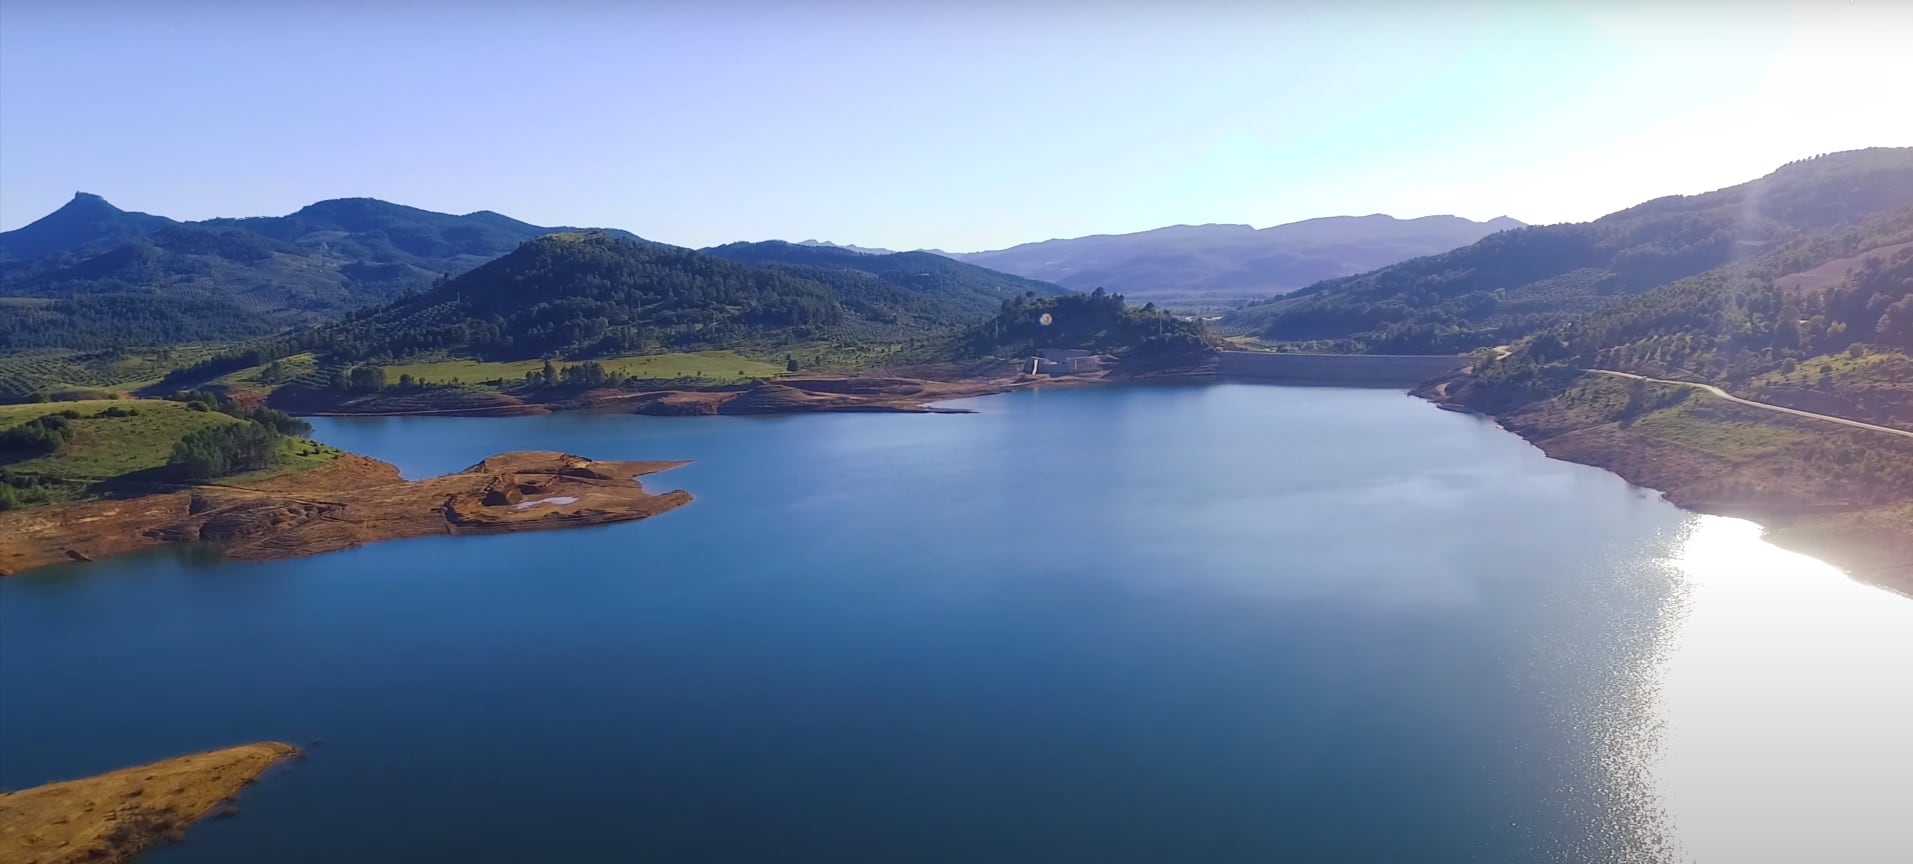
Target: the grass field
pixel 706 365
pixel 104 448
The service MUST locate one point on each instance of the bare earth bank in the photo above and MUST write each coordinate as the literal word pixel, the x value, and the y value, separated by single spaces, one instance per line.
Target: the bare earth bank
pixel 345 503
pixel 115 816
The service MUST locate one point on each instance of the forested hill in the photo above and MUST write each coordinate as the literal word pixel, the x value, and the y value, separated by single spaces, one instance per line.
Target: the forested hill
pixel 962 290
pixel 591 294
pixel 238 277
pixel 367 229
pixel 1144 339
pixel 1816 296
pixel 1519 282
pixel 1823 324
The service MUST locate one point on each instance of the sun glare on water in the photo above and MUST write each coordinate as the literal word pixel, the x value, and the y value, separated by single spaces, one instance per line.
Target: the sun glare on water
pixel 1782 726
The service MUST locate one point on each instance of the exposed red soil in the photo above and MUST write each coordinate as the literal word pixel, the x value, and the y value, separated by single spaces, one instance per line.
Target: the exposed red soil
pixel 345 503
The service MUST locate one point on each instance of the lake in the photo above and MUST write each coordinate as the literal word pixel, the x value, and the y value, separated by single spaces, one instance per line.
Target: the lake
pixel 1127 624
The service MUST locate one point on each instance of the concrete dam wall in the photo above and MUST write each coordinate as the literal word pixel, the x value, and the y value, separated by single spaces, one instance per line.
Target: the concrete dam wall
pixel 1374 370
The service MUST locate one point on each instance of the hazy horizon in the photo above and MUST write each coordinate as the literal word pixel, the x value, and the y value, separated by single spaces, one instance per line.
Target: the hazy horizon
pixel 960 128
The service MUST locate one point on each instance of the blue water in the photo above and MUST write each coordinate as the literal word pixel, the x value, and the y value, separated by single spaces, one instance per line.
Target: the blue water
pixel 1150 624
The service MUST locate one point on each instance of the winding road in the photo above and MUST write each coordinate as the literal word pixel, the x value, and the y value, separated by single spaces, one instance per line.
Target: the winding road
pixel 1716 391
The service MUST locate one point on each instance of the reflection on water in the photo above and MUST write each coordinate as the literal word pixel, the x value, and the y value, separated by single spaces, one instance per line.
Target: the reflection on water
pixel 1785 712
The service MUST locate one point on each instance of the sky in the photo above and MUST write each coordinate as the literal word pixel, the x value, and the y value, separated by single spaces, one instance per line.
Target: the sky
pixel 932 124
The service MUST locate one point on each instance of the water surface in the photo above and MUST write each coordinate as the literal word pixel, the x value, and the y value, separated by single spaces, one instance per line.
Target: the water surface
pixel 1224 623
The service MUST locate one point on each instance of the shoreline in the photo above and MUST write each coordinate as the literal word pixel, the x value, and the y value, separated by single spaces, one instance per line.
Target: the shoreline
pixel 794 395
pixel 1876 555
pixel 348 502
pixel 897 394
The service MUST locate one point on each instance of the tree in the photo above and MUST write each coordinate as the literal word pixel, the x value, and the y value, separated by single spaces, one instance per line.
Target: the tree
pixel 229 448
pixel 368 378
pixel 790 363
pixel 1896 324
pixel 36 437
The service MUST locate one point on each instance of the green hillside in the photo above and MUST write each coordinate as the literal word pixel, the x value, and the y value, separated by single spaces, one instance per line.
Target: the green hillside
pixel 56 452
pixel 1519 282
pixel 945 289
pixel 111 278
pixel 592 294
pixel 1836 344
pixel 1145 338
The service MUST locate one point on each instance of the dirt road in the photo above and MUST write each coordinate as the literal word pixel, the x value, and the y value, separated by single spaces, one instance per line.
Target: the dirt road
pixel 1762 405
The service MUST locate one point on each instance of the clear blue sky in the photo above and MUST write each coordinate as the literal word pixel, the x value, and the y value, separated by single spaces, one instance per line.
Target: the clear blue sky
pixel 964 126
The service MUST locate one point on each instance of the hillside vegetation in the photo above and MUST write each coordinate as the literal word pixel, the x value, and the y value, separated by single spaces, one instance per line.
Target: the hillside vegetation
pixel 1823 323
pixel 27 376
pixel 587 295
pixel 950 290
pixel 1519 282
pixel 63 451
pixel 92 276
pixel 1830 346
pixel 1144 339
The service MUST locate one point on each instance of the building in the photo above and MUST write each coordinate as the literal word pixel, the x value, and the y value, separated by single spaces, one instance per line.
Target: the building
pixel 1064 361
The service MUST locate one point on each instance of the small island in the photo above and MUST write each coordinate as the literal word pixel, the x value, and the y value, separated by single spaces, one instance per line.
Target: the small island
pixel 345 502
pixel 115 816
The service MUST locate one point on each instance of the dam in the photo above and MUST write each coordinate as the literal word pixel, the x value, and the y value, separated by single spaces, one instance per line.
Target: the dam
pixel 1361 370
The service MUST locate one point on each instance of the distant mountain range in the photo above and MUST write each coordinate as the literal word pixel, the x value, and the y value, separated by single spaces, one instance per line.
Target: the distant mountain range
pixel 1197 265
pixel 867 250
pixel 90 275
pixel 358 228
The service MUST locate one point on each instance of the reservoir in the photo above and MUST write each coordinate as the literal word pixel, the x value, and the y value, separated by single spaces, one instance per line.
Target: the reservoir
pixel 1214 623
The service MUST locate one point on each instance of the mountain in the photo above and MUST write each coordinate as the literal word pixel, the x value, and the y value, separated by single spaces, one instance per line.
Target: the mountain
pixel 240 277
pixel 965 290
pixel 1210 265
pixel 867 250
pixel 1821 324
pixel 590 294
pixel 1518 282
pixel 87 220
pixel 367 229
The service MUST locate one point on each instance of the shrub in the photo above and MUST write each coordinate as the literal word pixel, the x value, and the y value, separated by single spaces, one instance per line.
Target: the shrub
pixel 37 437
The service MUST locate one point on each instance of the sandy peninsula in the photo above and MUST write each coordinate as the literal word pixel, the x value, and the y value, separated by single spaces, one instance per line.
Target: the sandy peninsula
pixel 115 816
pixel 344 503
